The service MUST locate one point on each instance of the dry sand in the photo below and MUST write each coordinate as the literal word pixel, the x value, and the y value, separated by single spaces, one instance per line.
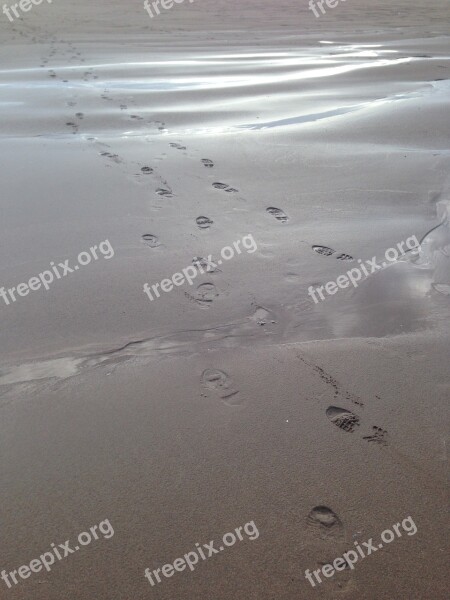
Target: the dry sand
pixel 181 419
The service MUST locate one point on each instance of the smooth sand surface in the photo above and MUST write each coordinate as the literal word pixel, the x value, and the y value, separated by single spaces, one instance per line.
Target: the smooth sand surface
pixel 221 403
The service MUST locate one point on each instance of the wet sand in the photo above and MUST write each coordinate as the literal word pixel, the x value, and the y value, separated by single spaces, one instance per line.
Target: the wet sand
pixel 238 398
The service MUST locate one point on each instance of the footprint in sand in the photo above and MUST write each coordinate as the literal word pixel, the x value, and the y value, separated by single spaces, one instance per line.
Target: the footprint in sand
pixel 114 157
pixel 165 193
pixel 79 115
pixel 345 257
pixel 342 418
pixel 224 186
pixel 220 384
pixel 379 436
pixel 206 293
pixel 204 222
pixel 146 170
pixel 73 125
pixel 177 146
pixel 150 240
pixel 348 421
pixel 323 250
pixel 278 214
pixel 325 523
pixel 207 163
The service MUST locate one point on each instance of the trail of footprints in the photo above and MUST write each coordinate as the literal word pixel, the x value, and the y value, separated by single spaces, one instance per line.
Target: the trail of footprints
pixel 321 521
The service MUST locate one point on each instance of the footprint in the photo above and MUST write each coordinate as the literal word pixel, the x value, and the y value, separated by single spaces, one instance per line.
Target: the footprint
pixel 164 192
pixel 79 115
pixel 379 436
pixel 73 125
pixel 224 186
pixel 220 383
pixel 151 240
pixel 203 222
pixel 325 522
pixel 207 163
pixel 345 257
pixel 323 250
pixel 278 214
pixel 206 292
pixel 177 146
pixel 147 170
pixel 344 419
pixel 136 117
pixel 114 157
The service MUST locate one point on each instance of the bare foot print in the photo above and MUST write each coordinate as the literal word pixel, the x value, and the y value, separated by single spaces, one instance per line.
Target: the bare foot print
pixel 203 222
pixel 207 163
pixel 224 186
pixel 147 170
pixel 177 146
pixel 278 214
pixel 150 240
pixel 219 383
pixel 325 523
pixel 342 418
